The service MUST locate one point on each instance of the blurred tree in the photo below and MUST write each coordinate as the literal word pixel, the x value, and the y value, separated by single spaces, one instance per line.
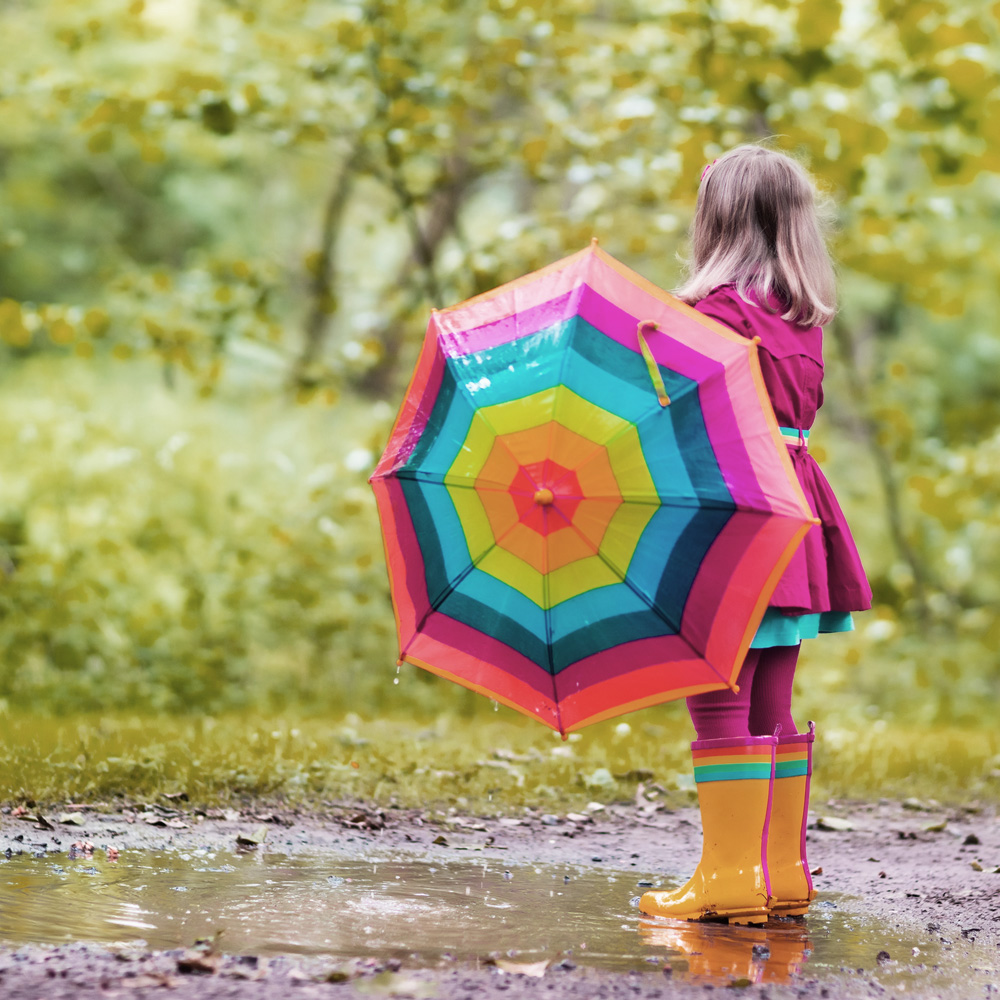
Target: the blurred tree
pixel 294 183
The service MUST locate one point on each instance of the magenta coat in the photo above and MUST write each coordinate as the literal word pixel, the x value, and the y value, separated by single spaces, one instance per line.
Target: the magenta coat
pixel 825 573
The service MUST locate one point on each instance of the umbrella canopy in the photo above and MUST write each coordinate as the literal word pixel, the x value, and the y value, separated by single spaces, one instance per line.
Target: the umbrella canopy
pixel 585 500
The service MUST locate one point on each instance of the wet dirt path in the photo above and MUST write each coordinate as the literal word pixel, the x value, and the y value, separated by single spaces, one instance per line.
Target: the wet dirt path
pixel 900 879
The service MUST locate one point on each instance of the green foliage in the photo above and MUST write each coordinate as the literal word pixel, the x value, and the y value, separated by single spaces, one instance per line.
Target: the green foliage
pixel 232 199
pixel 184 555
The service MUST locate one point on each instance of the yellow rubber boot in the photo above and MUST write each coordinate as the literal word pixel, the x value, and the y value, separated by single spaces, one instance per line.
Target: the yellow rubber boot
pixel 791 884
pixel 733 778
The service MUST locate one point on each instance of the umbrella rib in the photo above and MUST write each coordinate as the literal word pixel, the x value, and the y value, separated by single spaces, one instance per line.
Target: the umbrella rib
pixel 498 437
pixel 463 483
pixel 641 594
pixel 624 579
pixel 629 425
pixel 452 586
pixel 659 614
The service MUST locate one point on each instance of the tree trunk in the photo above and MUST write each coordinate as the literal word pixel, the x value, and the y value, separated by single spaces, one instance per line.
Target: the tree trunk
pixel 860 391
pixel 416 280
pixel 323 279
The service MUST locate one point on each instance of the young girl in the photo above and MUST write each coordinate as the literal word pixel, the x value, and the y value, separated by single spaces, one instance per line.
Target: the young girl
pixel 760 266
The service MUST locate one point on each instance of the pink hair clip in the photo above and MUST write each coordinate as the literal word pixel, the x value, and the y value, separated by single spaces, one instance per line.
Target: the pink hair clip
pixel 708 167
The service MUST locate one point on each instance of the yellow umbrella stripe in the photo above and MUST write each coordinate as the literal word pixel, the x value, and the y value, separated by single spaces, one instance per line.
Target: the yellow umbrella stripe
pixel 628 464
pixel 475 522
pixel 556 403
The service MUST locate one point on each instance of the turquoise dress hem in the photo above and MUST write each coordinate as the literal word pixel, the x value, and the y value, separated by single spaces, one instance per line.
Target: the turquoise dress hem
pixel 777 629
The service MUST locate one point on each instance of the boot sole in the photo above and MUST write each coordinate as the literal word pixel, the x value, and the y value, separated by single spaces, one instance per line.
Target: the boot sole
pixel 756 915
pixel 791 907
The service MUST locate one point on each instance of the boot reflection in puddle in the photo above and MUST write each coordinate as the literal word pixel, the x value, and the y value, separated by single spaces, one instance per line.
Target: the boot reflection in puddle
pixel 722 953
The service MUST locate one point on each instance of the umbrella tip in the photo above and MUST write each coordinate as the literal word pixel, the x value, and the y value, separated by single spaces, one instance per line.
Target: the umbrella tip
pixel 593 241
pixel 564 736
pixel 755 340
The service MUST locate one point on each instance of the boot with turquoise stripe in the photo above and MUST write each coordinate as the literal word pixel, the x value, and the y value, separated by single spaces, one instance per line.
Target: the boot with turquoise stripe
pixel 731 882
pixel 791 883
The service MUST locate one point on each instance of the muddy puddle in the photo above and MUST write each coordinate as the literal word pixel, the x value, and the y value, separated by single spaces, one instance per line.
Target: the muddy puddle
pixel 424 912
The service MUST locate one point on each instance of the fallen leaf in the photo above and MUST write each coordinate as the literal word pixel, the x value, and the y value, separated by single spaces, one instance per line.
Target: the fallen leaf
pixel 636 774
pixel 817 871
pixel 534 969
pixel 254 839
pixel 274 818
pixel 128 951
pixel 204 956
pixel 147 979
pixel 975 866
pixel 112 854
pixel 81 848
pixel 338 975
pixel 834 823
pixel 440 841
pixel 195 960
pixel 936 827
pixel 394 984
pixel 365 821
pixel 248 967
pixel 465 823
pixel 914 804
pixel 42 822
pixel 71 819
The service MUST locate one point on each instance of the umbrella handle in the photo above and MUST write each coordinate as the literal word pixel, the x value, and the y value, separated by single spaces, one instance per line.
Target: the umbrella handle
pixel 654 370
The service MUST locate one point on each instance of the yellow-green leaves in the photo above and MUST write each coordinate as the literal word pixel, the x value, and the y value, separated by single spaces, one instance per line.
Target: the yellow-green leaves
pixel 817 22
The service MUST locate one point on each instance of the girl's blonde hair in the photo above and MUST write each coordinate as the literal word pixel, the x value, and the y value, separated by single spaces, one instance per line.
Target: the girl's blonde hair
pixel 758 225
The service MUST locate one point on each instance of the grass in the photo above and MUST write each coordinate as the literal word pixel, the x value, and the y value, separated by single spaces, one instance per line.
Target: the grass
pixel 193 599
pixel 484 762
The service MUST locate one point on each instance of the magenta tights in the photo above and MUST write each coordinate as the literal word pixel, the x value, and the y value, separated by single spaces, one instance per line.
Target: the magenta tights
pixel 764 701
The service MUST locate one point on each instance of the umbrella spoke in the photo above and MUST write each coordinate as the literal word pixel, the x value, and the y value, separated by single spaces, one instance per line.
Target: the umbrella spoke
pixel 653 607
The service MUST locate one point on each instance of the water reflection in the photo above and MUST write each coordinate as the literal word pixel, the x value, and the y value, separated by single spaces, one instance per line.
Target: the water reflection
pixel 428 911
pixel 720 953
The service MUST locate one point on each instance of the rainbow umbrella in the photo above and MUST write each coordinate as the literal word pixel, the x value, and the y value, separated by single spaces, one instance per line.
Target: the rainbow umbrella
pixel 585 500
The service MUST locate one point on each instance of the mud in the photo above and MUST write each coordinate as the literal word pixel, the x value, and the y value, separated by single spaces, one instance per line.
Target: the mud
pixel 909 906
